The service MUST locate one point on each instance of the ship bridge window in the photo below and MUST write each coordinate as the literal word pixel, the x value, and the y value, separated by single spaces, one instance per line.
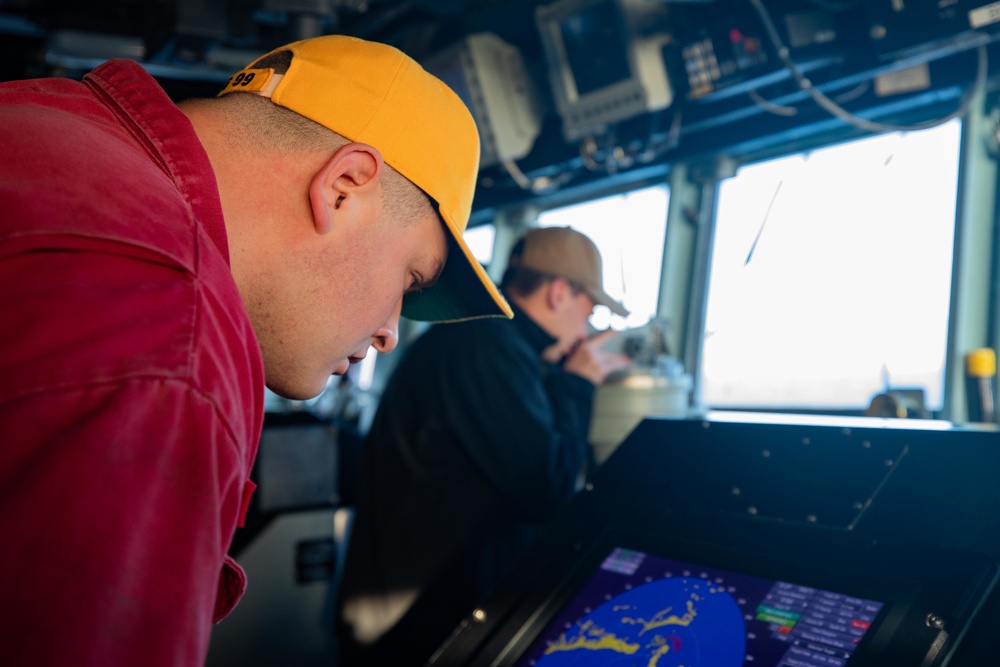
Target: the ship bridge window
pixel 480 240
pixel 831 275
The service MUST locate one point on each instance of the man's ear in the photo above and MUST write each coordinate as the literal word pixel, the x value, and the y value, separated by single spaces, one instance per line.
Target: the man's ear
pixel 345 181
pixel 555 292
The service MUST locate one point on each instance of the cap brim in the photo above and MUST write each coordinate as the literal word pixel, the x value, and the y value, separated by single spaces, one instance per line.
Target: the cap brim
pixel 463 291
pixel 603 299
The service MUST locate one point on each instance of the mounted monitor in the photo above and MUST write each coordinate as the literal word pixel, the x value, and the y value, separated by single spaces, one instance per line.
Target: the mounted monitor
pixel 601 70
pixel 679 604
pixel 490 77
pixel 296 467
pixel 741 540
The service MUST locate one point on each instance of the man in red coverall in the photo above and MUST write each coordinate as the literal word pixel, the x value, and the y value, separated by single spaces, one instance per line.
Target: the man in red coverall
pixel 158 263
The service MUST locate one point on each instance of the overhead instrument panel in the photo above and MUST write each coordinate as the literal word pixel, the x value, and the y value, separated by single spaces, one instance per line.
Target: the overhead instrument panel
pixel 733 53
pixel 601 67
pixel 903 29
pixel 490 76
pixel 574 93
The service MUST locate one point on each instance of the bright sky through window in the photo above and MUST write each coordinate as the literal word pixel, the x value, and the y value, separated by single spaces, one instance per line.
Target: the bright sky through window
pixel 832 271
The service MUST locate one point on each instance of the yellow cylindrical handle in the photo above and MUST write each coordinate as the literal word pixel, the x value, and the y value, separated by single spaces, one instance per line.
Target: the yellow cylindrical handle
pixel 981 363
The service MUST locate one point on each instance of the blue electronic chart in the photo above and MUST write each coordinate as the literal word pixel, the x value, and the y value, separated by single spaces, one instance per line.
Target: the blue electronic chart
pixel 666 623
pixel 640 610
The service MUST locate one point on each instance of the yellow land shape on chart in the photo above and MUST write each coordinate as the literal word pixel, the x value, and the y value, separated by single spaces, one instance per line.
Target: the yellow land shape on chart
pixel 592 638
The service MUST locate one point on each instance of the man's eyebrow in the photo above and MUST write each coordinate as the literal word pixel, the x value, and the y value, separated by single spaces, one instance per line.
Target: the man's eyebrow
pixel 435 274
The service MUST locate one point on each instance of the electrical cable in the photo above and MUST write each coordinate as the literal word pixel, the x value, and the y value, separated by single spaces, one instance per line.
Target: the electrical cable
pixel 672 140
pixel 854 93
pixel 838 111
pixel 588 148
pixel 769 106
pixel 782 110
pixel 538 185
pixel 515 173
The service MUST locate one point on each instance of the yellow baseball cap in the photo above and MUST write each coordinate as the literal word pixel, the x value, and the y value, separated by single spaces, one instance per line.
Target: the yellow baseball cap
pixel 375 94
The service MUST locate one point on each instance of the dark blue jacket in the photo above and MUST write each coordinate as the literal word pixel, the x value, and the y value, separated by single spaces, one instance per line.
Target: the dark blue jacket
pixel 475 445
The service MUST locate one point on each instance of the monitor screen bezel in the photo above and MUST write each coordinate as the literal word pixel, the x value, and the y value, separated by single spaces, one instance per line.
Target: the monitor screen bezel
pixel 645 88
pixel 906 590
pixel 568 55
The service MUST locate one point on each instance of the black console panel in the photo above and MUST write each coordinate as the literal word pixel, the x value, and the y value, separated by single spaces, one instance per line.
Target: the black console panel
pixel 741 539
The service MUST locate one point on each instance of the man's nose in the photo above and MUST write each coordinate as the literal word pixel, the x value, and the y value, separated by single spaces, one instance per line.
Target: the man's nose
pixel 387 336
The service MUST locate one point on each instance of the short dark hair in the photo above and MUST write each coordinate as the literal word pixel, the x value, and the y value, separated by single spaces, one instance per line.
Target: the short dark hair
pixel 279 61
pixel 521 281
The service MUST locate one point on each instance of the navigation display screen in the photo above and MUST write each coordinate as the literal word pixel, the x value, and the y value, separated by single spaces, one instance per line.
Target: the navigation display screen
pixel 596 47
pixel 639 609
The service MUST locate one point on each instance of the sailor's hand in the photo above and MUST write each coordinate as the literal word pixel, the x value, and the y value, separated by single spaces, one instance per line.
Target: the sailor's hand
pixel 589 360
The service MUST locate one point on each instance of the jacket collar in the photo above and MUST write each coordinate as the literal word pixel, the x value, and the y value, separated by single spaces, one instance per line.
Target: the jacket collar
pixel 537 337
